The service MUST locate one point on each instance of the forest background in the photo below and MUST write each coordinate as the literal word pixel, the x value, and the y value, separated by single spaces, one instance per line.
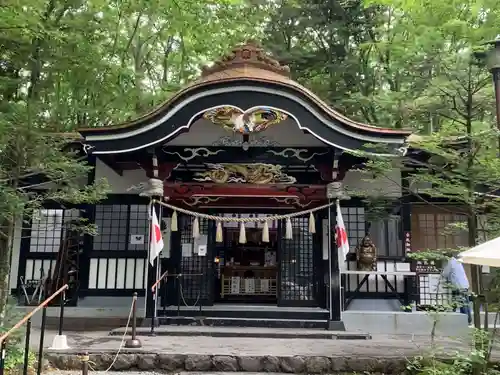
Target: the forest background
pixel 66 64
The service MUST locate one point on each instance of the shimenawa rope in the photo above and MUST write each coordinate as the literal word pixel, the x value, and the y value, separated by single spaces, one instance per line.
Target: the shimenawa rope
pixel 156 190
pixel 243 219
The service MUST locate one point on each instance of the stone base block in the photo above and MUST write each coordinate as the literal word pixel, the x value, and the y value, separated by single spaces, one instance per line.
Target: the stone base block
pixel 129 361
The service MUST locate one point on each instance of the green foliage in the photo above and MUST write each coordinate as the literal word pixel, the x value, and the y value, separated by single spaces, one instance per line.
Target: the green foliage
pixel 428 79
pixel 72 64
pixel 14 358
pixel 438 362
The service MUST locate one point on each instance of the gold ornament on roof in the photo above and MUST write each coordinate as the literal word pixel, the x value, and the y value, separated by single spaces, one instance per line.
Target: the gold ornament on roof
pixel 253 120
pixel 250 54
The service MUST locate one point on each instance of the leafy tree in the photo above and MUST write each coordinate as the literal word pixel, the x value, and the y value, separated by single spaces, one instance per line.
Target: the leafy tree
pixel 446 95
pixel 321 41
pixel 71 64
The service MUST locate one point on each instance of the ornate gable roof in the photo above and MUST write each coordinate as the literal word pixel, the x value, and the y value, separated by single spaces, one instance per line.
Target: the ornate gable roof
pixel 248 68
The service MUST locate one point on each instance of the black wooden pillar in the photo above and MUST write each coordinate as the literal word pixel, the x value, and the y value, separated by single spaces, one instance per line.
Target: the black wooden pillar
pixel 152 271
pixel 88 240
pixel 410 284
pixel 335 320
pixel 151 303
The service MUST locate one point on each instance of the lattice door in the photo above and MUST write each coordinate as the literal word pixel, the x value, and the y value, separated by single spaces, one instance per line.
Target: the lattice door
pixel 296 258
pixel 196 285
pixel 43 244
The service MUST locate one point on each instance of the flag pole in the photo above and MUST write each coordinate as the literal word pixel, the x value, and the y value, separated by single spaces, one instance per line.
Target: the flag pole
pixel 334 191
pixel 330 255
pixel 156 268
pixel 157 260
pixel 156 191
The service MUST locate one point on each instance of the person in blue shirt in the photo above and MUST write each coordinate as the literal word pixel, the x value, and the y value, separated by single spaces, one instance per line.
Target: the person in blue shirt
pixel 454 274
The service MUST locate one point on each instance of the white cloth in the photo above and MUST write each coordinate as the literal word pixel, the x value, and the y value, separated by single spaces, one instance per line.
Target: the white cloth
pixel 341 235
pixel 156 239
pixel 454 272
pixel 485 254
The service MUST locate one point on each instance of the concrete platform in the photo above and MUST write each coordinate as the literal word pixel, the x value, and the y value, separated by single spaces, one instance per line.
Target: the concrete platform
pixel 88 319
pixel 250 332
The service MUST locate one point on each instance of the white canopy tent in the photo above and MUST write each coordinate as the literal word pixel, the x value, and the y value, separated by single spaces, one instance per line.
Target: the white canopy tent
pixel 485 254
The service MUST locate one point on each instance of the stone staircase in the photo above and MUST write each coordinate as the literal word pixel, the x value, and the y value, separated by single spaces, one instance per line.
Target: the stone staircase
pixel 245 316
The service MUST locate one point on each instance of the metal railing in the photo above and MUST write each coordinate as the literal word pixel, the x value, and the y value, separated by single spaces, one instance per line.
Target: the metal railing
pixel 27 320
pixel 157 282
pixel 132 342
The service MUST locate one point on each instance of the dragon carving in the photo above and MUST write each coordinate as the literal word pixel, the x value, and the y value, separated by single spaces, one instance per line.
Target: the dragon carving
pixel 257 173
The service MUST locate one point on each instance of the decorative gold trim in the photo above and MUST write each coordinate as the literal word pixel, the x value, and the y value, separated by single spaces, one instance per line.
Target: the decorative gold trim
pixel 290 201
pixel 195 201
pixel 255 173
pixel 253 120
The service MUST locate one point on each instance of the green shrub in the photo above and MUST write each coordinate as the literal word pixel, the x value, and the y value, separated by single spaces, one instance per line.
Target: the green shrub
pixel 437 362
pixel 14 358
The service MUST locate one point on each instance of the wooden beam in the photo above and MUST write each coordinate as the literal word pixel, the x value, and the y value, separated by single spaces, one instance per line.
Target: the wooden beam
pixel 193 190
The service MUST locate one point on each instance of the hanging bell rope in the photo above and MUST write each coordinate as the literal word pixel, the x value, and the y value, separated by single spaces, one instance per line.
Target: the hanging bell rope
pixel 242 220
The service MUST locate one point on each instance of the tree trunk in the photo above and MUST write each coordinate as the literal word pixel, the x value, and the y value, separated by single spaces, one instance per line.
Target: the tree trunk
pixel 6 240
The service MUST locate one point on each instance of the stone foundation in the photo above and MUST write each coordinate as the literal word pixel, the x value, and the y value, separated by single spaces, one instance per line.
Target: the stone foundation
pixel 145 361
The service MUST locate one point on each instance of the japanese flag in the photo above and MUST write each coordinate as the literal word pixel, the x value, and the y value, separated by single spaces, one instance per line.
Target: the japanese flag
pixel 156 243
pixel 341 234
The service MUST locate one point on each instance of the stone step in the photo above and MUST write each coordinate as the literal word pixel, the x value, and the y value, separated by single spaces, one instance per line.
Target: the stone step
pixel 248 332
pixel 241 322
pixel 247 312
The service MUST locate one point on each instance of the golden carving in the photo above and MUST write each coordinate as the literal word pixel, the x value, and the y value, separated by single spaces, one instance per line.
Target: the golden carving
pixel 253 120
pixel 366 255
pixel 257 173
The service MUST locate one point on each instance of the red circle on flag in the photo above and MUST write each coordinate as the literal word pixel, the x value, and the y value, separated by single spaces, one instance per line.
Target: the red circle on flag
pixel 157 233
pixel 341 237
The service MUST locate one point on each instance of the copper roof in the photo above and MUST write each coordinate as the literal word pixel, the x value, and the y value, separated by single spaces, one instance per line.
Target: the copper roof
pixel 250 62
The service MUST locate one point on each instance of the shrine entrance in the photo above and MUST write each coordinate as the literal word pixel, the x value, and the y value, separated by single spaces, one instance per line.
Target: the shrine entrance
pixel 278 271
pixel 246 272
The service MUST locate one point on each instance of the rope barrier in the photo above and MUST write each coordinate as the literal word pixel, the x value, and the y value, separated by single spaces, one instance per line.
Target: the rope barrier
pixel 122 343
pixel 181 289
pixel 245 219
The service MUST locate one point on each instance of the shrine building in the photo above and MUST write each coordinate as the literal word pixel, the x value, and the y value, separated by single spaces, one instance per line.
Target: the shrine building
pixel 243 144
